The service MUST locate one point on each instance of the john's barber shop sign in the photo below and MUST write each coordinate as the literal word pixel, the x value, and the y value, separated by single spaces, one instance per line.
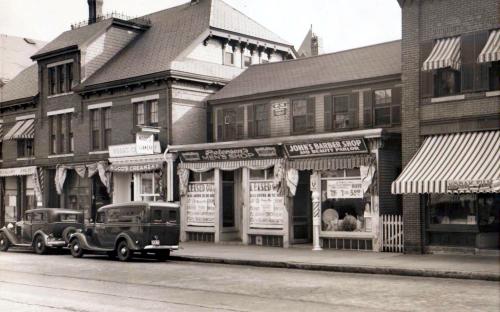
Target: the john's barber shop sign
pixel 325 148
pixel 239 153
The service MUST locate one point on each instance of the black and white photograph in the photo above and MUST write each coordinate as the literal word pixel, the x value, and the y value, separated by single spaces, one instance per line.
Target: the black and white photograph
pixel 249 155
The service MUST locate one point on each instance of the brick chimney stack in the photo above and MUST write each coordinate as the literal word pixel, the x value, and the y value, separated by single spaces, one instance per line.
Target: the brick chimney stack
pixel 95 10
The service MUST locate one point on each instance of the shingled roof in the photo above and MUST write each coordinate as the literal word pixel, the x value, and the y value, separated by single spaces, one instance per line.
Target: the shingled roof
pixel 24 85
pixel 172 31
pixel 378 60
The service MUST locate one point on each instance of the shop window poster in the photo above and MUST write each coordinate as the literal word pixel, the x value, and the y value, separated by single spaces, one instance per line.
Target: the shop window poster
pixel 349 188
pixel 201 204
pixel 266 208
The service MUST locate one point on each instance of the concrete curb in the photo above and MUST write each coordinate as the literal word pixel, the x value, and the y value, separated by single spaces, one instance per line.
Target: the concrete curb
pixel 344 268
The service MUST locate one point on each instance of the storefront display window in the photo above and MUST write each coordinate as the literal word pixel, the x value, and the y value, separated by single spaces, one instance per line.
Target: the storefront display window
pixel 150 186
pixel 343 202
pixel 266 207
pixel 201 199
pixel 10 199
pixel 30 193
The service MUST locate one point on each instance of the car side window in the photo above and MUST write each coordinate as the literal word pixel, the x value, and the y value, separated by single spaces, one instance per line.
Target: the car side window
pixel 172 216
pixel 156 216
pixel 38 217
pixel 27 217
pixel 100 217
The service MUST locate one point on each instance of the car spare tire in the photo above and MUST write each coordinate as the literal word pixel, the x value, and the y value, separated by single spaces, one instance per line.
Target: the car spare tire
pixel 67 233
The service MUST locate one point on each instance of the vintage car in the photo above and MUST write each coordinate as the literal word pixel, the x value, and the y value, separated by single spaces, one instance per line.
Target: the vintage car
pixel 121 230
pixel 42 228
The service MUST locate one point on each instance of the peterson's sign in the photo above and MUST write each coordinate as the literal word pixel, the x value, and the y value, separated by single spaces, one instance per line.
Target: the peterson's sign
pixel 240 153
pixel 325 148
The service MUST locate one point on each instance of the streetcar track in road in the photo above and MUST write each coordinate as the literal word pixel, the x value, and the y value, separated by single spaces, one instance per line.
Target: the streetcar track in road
pixel 116 296
pixel 43 305
pixel 252 296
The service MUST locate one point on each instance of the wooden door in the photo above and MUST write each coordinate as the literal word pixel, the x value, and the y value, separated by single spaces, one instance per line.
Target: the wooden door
pixel 301 214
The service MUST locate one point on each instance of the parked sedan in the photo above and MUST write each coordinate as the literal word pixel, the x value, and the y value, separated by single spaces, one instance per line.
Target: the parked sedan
pixel 121 230
pixel 42 228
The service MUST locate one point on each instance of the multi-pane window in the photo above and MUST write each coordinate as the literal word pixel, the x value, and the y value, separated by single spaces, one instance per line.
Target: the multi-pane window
pixel 258 120
pixel 303 118
pixel 100 125
pixel 228 58
pixel 230 123
pixel 25 148
pixel 146 113
pixel 387 107
pixel 60 78
pixel 61 134
pixel 341 111
pixel 341 118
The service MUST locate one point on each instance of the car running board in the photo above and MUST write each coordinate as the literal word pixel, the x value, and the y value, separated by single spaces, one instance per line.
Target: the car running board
pixel 22 245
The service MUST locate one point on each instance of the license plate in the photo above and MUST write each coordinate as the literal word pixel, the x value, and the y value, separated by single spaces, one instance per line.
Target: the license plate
pixel 155 242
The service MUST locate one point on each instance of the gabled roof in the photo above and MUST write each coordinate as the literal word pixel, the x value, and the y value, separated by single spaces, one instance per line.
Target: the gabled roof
pixel 15 55
pixel 378 60
pixel 24 85
pixel 172 31
pixel 74 37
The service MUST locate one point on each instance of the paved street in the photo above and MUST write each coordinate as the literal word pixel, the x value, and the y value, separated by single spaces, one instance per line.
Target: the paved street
pixel 58 282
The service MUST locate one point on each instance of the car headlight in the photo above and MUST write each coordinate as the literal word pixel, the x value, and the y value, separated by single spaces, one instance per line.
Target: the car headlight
pixel 10 226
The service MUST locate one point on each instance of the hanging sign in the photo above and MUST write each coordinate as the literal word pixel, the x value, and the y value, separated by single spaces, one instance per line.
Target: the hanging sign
pixel 349 188
pixel 144 143
pixel 325 148
pixel 126 150
pixel 239 153
pixel 201 204
pixel 266 208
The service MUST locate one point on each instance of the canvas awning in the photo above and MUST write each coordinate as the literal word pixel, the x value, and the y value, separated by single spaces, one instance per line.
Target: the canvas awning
pixel 254 164
pixel 491 51
pixel 453 163
pixel 23 129
pixel 331 163
pixel 446 53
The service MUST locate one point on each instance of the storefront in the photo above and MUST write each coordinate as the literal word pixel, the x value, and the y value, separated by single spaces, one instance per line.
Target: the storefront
pixel 21 191
pixel 458 179
pixel 137 175
pixel 321 189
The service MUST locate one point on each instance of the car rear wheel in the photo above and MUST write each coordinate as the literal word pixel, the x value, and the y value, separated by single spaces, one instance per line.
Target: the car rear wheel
pixel 123 251
pixel 162 255
pixel 39 245
pixel 76 248
pixel 4 243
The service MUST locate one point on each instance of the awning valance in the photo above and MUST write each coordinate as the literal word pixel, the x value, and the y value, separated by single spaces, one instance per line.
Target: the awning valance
pixel 458 163
pixel 332 163
pixel 137 163
pixel 18 171
pixel 491 51
pixel 23 129
pixel 254 164
pixel 446 53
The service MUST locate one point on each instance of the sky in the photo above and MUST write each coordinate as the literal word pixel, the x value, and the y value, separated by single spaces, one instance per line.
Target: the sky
pixel 342 24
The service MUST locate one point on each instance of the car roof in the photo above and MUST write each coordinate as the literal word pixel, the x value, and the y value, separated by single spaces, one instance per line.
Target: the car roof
pixel 55 210
pixel 139 203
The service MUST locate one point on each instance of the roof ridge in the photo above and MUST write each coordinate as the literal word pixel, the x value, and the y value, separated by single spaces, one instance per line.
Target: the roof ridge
pixel 326 54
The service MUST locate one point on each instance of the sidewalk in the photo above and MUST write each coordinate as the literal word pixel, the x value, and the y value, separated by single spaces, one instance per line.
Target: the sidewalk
pixel 443 266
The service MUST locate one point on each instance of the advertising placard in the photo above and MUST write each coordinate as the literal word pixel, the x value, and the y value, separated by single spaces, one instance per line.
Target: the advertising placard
pixel 201 204
pixel 349 188
pixel 144 142
pixel 266 208
pixel 240 153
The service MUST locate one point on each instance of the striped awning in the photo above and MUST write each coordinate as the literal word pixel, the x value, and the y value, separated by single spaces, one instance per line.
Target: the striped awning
pixel 23 129
pixel 446 53
pixel 332 163
pixel 254 164
pixel 491 51
pixel 1 132
pixel 453 163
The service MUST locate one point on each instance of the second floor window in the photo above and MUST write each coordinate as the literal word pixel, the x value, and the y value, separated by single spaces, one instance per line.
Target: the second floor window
pixel 146 113
pixel 230 123
pixel 259 123
pixel 303 115
pixel 247 61
pixel 387 107
pixel 228 58
pixel 100 126
pixel 341 111
pixel 25 148
pixel 60 78
pixel 61 134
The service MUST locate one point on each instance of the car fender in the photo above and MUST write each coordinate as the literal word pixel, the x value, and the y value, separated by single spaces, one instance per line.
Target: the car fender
pixel 10 236
pixel 130 241
pixel 43 234
pixel 82 238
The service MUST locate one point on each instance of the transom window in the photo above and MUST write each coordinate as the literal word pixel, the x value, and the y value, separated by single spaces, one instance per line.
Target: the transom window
pixel 266 174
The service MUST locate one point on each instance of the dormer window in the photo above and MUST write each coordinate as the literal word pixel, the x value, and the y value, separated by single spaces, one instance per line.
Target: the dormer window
pixel 60 77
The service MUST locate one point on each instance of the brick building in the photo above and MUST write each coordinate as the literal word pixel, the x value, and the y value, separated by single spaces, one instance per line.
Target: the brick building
pixel 302 151
pixel 451 116
pixel 70 122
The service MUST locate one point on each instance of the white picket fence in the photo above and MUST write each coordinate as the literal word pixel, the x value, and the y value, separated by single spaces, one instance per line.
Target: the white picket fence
pixel 392 233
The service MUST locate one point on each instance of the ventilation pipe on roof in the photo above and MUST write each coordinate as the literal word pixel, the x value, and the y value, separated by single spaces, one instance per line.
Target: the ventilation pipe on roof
pixel 95 10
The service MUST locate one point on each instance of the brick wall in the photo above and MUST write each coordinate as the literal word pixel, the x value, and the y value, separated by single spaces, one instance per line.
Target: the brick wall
pixel 423 21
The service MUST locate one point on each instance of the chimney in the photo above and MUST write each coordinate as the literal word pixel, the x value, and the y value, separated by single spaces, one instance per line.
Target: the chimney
pixel 95 10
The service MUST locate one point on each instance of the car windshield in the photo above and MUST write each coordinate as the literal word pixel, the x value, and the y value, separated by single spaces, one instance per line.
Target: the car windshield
pixel 68 217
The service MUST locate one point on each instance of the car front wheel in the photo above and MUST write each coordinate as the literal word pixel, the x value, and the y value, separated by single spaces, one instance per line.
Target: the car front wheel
pixel 123 251
pixel 4 243
pixel 76 249
pixel 39 245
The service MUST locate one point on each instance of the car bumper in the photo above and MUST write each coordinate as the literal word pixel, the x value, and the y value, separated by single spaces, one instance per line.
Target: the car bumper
pixel 161 247
pixel 55 243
